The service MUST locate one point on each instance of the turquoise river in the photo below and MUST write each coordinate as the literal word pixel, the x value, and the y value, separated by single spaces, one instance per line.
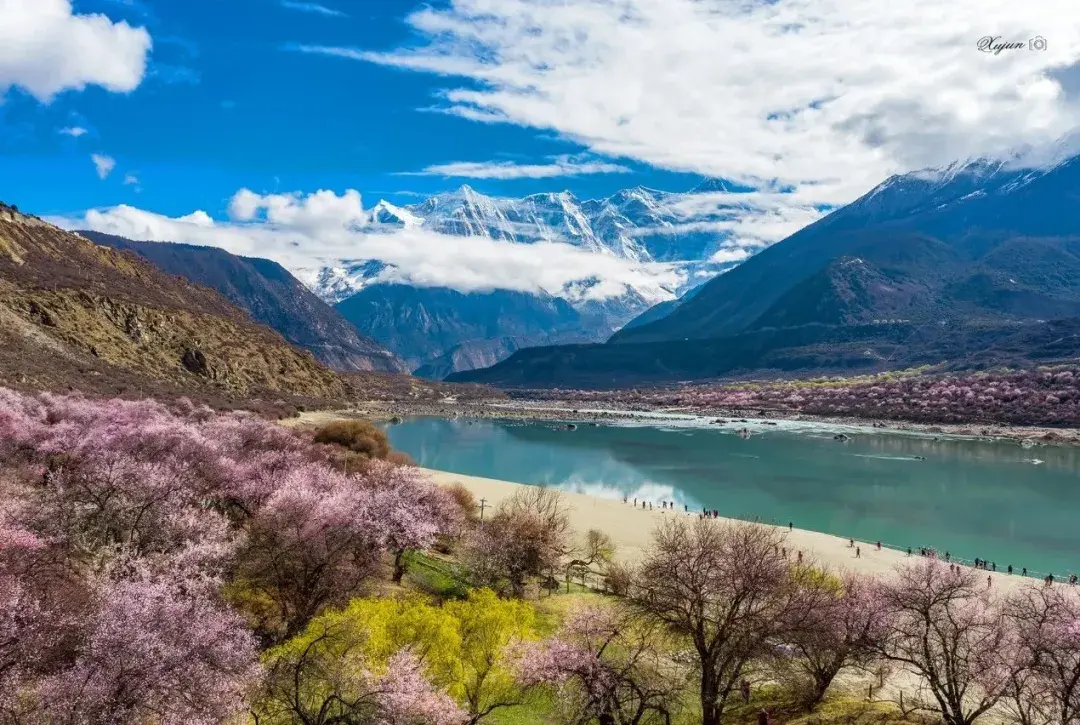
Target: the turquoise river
pixel 992 500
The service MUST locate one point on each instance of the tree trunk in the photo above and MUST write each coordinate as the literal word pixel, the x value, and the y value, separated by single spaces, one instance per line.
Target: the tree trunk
pixel 822 681
pixel 399 565
pixel 710 712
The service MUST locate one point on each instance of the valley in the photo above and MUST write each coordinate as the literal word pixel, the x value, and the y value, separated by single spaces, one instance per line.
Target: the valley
pixel 539 362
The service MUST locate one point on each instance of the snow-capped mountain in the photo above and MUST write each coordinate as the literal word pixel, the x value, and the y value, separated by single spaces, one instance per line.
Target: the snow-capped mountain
pixel 672 235
pixel 977 240
pixel 639 225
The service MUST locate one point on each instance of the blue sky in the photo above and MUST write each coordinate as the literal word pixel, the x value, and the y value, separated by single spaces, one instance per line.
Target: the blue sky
pixel 226 105
pixel 271 127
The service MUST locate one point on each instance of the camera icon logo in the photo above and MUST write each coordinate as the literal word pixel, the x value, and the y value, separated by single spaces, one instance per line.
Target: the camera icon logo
pixel 1037 43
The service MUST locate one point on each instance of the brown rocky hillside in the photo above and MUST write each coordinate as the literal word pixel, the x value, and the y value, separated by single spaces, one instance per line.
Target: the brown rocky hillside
pixel 74 314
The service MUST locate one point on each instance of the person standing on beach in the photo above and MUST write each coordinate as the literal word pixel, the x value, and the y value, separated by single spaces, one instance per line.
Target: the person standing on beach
pixel 948 556
pixel 851 543
pixel 1025 571
pixel 790 526
pixel 858 553
pixel 879 546
pixel 1010 568
pixel 989 581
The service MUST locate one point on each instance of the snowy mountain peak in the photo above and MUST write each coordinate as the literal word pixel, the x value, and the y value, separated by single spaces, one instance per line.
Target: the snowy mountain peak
pixel 640 225
pixel 711 186
pixel 386 213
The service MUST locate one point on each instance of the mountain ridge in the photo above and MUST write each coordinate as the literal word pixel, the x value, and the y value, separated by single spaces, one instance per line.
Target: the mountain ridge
pixel 78 315
pixel 422 324
pixel 272 296
pixel 903 209
pixel 987 251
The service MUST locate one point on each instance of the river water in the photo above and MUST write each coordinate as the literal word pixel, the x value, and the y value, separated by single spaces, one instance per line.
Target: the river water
pixel 992 500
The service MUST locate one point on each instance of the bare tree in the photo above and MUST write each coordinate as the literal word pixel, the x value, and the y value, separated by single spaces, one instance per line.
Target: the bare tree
pixel 1044 687
pixel 944 629
pixel 597 549
pixel 727 589
pixel 528 536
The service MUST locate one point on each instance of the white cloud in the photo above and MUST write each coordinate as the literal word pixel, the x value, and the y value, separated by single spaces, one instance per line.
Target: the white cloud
pixel 827 96
pixel 340 52
pixel 45 48
pixel 748 220
pixel 729 255
pixel 305 233
pixel 312 8
pixel 560 166
pixel 103 164
pixel 74 131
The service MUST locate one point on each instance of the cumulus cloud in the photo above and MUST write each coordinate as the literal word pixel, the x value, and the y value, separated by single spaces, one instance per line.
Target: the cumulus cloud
pixel 312 8
pixel 825 96
pixel 103 164
pixel 74 131
pixel 559 166
pixel 45 48
pixel 306 233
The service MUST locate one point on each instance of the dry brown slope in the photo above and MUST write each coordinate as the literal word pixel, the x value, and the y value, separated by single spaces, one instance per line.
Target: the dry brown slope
pixel 74 314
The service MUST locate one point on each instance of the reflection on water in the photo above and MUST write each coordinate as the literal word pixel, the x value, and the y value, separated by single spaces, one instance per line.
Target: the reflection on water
pixel 973 498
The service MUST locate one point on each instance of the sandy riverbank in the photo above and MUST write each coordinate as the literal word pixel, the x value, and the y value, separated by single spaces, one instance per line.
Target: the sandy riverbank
pixel 631 530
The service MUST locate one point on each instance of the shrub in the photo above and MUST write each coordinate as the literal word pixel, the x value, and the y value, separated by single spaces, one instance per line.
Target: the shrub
pixel 358 436
pixel 618 578
pixel 465 499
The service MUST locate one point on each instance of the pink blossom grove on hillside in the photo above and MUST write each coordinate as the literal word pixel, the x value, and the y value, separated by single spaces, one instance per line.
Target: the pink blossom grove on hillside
pixel 1047 396
pixel 148 551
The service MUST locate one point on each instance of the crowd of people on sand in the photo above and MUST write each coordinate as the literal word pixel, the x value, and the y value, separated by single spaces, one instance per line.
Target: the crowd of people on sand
pixel 990 566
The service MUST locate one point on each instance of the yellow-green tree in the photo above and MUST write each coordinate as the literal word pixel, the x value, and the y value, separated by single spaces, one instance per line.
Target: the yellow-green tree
pixel 461 647
pixel 487 625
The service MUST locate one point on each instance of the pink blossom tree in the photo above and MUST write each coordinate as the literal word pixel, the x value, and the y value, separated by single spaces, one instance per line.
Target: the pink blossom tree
pixel 314 543
pixel 152 652
pixel 605 667
pixel 412 512
pixel 123 523
pixel 944 629
pixel 727 591
pixel 1044 628
pixel 843 625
